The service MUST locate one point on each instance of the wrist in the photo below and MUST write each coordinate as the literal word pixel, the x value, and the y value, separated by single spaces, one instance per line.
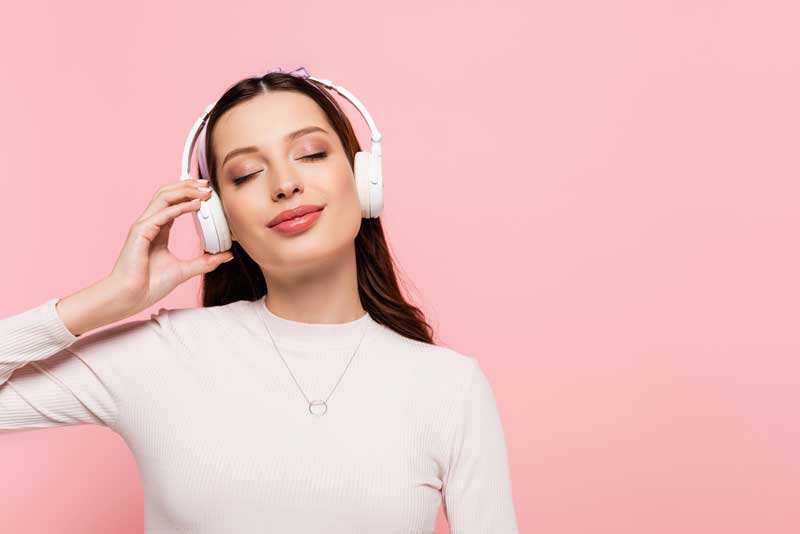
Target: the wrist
pixel 92 307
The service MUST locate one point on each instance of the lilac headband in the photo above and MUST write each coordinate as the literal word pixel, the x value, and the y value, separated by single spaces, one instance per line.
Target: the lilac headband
pixel 202 164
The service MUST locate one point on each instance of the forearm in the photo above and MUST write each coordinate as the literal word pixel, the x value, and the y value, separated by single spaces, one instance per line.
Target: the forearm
pixel 92 307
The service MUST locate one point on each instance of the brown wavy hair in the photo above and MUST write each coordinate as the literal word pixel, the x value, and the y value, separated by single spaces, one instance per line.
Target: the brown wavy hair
pixel 242 279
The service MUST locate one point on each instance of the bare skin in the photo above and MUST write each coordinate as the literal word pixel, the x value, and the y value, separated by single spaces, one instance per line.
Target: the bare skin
pixel 311 276
pixel 145 271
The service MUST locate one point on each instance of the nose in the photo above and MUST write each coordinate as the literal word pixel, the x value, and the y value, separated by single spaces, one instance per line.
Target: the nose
pixel 287 188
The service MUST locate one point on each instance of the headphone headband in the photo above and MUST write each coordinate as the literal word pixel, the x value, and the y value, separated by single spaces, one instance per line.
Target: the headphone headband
pixel 198 132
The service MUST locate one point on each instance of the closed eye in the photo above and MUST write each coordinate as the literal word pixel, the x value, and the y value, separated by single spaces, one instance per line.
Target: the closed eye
pixel 310 157
pixel 318 155
pixel 241 179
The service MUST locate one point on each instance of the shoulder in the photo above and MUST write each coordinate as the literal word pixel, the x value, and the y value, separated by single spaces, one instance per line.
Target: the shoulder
pixel 198 322
pixel 433 366
pixel 165 328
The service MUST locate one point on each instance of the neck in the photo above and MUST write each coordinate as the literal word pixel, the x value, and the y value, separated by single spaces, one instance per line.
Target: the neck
pixel 326 293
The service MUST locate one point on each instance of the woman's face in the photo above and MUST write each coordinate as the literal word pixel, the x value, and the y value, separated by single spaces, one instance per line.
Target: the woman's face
pixel 281 179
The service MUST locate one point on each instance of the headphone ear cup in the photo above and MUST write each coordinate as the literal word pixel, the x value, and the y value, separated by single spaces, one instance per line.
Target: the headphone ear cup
pixel 361 170
pixel 376 189
pixel 212 226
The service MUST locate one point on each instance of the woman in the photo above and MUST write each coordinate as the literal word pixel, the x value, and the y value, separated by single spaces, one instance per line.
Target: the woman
pixel 229 409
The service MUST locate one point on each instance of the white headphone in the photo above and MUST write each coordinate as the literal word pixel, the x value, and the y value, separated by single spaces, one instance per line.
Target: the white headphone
pixel 209 220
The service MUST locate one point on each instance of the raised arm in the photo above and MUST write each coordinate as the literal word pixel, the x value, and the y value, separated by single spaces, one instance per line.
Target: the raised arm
pixel 52 378
pixel 42 382
pixel 50 385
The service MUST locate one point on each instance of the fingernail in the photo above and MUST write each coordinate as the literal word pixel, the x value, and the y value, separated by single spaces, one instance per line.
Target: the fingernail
pixel 204 189
pixel 201 180
pixel 228 259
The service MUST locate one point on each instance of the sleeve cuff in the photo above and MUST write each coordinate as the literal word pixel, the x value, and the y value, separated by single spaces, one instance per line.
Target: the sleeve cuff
pixel 54 326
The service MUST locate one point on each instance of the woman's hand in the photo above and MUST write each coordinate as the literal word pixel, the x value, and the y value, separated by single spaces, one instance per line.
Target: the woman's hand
pixel 146 271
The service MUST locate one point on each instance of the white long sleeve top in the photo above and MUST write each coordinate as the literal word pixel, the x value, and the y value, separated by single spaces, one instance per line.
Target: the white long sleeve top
pixel 224 439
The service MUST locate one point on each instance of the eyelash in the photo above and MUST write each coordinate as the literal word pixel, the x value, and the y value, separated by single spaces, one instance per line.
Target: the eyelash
pixel 310 157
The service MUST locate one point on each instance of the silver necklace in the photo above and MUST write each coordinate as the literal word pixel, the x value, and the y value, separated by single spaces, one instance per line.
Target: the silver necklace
pixel 316 407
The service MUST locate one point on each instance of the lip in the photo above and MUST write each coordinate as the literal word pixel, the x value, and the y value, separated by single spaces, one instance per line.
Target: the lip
pixel 298 224
pixel 299 211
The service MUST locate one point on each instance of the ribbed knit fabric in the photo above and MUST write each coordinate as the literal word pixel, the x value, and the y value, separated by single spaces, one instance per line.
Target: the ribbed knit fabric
pixel 225 442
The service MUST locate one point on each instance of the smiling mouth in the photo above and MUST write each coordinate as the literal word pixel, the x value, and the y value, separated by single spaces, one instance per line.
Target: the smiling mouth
pixel 300 211
pixel 298 224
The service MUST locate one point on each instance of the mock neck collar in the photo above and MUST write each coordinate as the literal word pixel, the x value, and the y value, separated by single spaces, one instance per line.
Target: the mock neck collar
pixel 310 335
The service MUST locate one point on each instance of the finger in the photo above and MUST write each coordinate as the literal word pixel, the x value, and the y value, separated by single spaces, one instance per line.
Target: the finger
pixel 162 239
pixel 203 264
pixel 150 227
pixel 172 194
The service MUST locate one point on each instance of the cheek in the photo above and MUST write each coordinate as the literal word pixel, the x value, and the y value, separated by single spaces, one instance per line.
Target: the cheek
pixel 239 214
pixel 346 212
pixel 343 189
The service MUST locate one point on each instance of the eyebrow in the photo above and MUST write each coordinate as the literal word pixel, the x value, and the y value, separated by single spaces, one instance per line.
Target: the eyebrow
pixel 288 137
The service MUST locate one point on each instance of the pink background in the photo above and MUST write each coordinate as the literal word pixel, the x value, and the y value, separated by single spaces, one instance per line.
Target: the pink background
pixel 599 200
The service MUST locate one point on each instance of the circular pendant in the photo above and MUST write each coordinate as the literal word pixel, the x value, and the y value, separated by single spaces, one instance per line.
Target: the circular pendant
pixel 318 407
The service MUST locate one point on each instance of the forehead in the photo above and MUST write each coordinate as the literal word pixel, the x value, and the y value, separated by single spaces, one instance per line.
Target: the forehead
pixel 265 119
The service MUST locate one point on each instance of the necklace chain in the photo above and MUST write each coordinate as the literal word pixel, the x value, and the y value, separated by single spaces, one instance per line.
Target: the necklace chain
pixel 321 403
